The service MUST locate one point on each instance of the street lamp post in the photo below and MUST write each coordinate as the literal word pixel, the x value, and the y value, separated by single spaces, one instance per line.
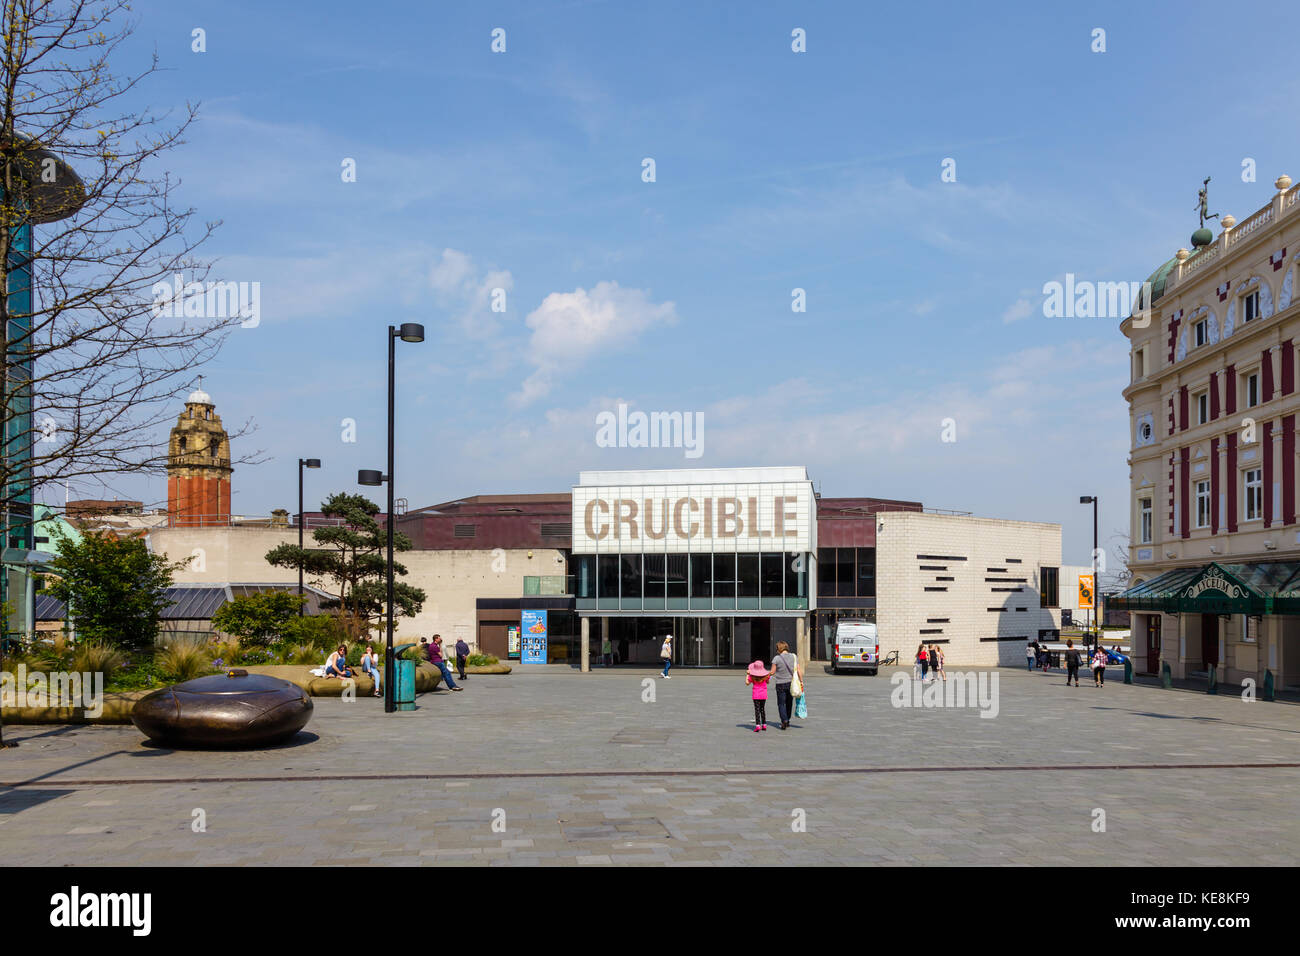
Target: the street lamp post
pixel 407 332
pixel 1096 584
pixel 302 463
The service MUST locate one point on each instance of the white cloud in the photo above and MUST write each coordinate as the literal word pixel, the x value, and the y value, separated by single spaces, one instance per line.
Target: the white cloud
pixel 1020 309
pixel 460 288
pixel 570 327
pixel 451 272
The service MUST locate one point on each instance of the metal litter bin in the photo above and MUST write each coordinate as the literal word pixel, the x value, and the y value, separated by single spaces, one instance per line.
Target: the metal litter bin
pixel 1128 670
pixel 403 680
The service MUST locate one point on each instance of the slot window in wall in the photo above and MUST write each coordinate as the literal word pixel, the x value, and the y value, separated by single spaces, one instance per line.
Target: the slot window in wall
pixel 1049 587
pixel 1144 521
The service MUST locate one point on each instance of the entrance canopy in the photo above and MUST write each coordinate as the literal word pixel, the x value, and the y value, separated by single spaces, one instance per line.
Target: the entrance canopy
pixel 1257 589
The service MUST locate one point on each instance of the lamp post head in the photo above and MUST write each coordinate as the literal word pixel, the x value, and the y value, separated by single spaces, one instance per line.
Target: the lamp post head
pixel 311 462
pixel 368 477
pixel 411 332
pixel 1087 499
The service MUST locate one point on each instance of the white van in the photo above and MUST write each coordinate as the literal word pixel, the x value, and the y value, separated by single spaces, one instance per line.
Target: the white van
pixel 855 646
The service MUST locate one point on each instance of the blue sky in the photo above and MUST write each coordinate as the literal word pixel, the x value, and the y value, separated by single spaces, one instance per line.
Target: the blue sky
pixel 820 170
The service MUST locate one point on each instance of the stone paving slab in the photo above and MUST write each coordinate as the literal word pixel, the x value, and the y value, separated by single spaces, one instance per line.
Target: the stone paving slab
pixel 489 777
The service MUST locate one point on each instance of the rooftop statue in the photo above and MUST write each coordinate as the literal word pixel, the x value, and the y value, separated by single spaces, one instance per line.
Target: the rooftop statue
pixel 1204 202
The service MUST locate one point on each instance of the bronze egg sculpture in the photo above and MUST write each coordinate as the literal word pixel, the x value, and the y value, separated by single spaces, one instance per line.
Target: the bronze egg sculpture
pixel 234 709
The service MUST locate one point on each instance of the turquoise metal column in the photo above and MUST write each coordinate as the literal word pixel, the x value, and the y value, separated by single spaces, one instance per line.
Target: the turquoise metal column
pixel 18 434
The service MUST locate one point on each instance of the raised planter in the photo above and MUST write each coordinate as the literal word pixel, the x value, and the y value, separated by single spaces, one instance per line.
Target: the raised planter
pixel 117 710
pixel 118 706
pixel 427 678
pixel 497 668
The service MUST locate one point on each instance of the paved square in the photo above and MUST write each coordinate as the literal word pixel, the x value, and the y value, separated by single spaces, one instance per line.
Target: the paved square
pixel 551 766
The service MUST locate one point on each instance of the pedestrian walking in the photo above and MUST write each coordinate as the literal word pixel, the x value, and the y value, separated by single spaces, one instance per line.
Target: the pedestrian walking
pixel 435 658
pixel 757 677
pixel 939 663
pixel 934 661
pixel 1072 663
pixel 1099 667
pixel 607 650
pixel 922 661
pixel 462 654
pixel 1031 655
pixel 666 654
pixel 785 668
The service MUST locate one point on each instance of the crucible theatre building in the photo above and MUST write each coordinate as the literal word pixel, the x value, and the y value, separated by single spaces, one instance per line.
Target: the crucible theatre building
pixel 721 559
pixel 730 561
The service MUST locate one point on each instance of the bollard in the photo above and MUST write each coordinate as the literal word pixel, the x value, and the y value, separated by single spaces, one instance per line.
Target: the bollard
pixel 1212 686
pixel 1166 675
pixel 1268 685
pixel 1128 670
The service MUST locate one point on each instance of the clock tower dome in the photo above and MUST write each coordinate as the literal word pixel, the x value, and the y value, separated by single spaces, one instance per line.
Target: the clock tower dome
pixel 198 466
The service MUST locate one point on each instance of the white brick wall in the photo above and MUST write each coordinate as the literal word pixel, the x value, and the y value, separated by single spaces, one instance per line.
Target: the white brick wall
pixel 452 580
pixel 1012 549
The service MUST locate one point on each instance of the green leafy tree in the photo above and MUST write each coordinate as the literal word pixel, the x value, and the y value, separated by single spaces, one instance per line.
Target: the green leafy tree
pixel 353 555
pixel 113 588
pixel 258 619
pixel 319 631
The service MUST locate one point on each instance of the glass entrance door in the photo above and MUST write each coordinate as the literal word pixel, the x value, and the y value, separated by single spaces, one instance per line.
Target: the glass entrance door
pixel 722 640
pixel 703 641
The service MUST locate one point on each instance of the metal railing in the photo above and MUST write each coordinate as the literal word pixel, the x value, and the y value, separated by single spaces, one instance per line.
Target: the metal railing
pixel 244 521
pixel 552 585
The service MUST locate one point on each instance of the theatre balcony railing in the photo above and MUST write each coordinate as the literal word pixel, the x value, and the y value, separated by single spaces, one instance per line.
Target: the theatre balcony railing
pixel 549 585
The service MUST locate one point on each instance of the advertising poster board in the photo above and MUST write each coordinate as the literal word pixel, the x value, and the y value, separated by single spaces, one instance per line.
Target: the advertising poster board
pixel 533 636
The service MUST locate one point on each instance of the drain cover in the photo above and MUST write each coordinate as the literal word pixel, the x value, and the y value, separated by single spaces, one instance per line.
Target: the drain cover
pixel 613 828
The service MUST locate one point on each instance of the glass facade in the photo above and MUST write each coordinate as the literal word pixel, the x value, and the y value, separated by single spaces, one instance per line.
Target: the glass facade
pixel 19 436
pixel 699 641
pixel 846 572
pixel 771 581
pixel 846 587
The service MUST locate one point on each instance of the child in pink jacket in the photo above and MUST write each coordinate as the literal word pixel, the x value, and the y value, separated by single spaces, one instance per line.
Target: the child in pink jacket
pixel 757 677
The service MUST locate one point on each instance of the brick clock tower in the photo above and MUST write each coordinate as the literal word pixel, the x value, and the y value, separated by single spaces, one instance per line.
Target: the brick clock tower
pixel 198 466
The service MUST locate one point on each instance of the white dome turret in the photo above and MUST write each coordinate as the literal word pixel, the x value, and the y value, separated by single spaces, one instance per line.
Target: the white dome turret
pixel 198 396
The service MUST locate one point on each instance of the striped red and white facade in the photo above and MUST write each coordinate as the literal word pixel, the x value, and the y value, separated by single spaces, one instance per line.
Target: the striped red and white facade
pixel 1213 404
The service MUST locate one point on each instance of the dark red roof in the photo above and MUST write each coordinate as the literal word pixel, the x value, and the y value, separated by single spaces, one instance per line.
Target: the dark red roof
pixel 851 522
pixel 481 522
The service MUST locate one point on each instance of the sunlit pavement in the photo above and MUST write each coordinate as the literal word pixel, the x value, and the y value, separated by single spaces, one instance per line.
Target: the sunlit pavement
pixel 549 766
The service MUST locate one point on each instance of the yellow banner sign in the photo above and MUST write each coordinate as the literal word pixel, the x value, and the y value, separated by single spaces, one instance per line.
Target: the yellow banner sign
pixel 1085 591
